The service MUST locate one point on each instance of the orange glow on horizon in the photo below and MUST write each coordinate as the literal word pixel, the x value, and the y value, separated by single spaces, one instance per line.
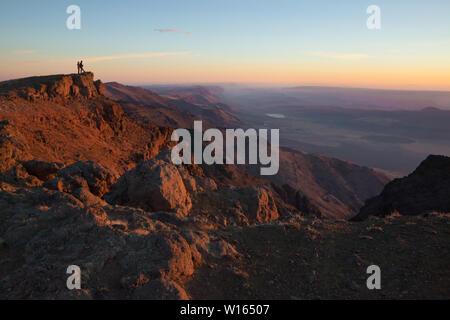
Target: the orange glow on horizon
pixel 175 69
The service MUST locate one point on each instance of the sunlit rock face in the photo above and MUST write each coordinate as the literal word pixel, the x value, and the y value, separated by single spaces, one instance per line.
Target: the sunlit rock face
pixel 54 87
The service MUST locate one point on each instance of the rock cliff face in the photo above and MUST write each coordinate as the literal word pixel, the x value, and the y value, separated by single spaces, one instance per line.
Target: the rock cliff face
pixel 426 189
pixel 54 87
pixel 70 121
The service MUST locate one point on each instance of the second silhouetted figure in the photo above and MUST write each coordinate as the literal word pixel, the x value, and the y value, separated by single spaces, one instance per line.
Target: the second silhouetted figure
pixel 82 67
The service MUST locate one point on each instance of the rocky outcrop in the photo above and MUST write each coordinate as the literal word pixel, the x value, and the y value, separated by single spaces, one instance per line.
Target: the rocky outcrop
pixel 86 175
pixel 42 169
pixel 240 206
pixel 54 87
pixel 111 245
pixel 159 185
pixel 426 189
pixel 100 86
pixel 109 115
pixel 123 252
pixel 257 203
pixel 154 185
pixel 65 130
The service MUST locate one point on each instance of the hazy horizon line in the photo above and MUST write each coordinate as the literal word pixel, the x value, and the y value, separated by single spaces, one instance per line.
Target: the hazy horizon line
pixel 244 84
pixel 274 85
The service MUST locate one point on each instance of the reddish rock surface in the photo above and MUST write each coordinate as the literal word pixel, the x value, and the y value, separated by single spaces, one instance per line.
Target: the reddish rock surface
pixel 54 87
pixel 87 180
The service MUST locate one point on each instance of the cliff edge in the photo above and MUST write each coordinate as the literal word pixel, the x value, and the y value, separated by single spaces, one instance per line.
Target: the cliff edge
pixel 53 87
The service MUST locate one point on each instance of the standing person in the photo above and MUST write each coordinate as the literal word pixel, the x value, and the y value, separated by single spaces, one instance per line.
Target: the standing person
pixel 82 67
pixel 78 66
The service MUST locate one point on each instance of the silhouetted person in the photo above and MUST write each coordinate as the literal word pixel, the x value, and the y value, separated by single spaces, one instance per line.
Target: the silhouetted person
pixel 82 67
pixel 78 66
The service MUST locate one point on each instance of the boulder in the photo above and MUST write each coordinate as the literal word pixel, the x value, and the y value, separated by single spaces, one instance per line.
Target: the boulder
pixel 154 185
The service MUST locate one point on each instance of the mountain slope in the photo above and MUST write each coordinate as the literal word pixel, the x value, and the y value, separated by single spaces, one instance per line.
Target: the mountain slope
pixel 83 182
pixel 424 190
pixel 193 94
pixel 337 188
pixel 196 106
pixel 67 124
pixel 64 124
pixel 135 95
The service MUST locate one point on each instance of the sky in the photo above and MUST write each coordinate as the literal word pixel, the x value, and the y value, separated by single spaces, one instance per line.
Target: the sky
pixel 287 42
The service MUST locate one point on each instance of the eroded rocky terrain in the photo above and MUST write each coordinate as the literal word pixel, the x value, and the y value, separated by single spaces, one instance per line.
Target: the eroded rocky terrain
pixel 84 181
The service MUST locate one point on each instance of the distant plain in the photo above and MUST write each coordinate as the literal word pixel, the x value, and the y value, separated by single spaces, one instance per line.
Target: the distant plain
pixel 390 130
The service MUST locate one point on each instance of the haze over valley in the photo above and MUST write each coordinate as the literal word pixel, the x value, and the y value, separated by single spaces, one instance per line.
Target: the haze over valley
pixel 385 129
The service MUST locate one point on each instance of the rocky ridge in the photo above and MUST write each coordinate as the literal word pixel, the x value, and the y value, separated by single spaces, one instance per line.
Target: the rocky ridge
pixel 54 87
pixel 427 189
